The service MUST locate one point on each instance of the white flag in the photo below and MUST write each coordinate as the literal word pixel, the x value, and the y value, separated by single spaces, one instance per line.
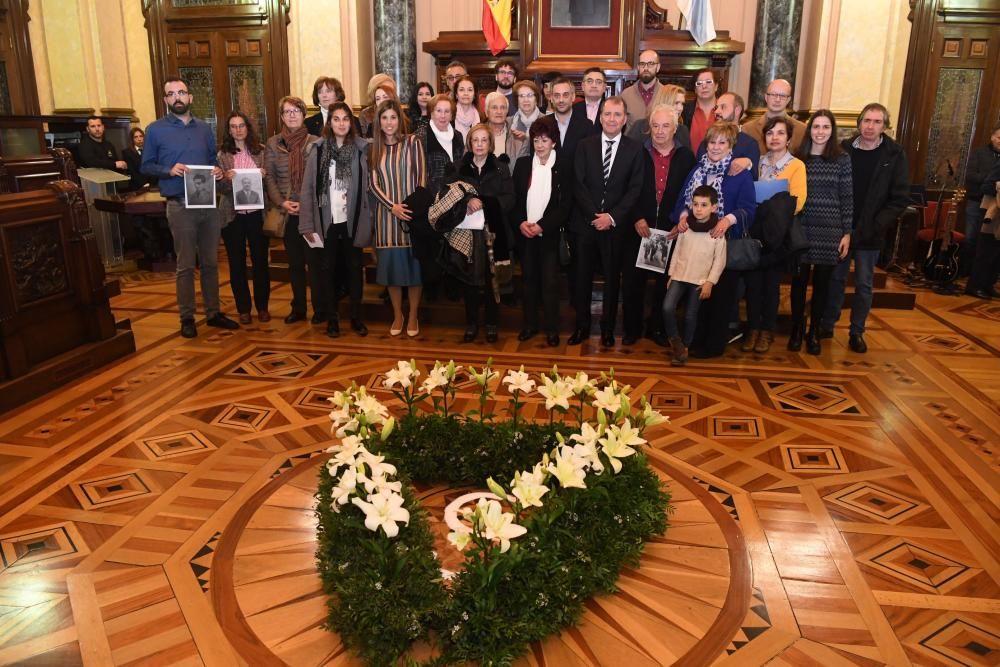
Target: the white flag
pixel 698 13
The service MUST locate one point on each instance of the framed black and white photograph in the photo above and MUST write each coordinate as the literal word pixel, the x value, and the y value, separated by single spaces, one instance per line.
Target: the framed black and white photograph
pixel 199 187
pixel 654 251
pixel 248 190
pixel 581 14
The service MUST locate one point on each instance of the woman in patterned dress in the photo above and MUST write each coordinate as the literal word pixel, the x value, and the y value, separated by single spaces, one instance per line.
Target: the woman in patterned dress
pixel 396 162
pixel 826 217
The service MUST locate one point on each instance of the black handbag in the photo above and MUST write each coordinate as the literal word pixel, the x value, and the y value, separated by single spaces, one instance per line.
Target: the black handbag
pixel 564 252
pixel 797 240
pixel 743 253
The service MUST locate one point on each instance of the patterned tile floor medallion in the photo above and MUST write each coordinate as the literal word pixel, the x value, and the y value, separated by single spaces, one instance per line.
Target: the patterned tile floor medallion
pixel 829 510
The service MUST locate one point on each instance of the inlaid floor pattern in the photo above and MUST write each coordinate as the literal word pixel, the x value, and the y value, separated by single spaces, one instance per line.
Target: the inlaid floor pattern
pixel 831 510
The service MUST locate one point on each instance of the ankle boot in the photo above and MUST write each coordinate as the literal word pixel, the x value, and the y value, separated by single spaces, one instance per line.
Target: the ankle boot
pixel 750 340
pixel 813 341
pixel 678 352
pixel 795 337
pixel 764 342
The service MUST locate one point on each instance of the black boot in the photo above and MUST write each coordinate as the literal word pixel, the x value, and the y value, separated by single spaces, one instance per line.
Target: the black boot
pixel 813 342
pixel 795 337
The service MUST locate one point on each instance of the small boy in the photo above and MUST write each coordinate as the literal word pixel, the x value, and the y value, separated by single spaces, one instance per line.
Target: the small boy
pixel 695 268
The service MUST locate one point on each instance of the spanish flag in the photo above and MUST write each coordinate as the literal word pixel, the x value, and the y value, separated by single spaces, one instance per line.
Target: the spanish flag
pixel 496 24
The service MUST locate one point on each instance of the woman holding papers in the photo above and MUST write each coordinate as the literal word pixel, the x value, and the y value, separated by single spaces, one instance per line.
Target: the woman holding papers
pixel 543 192
pixel 242 150
pixel 485 230
pixel 827 221
pixel 778 164
pixel 284 162
pixel 737 204
pixel 396 162
pixel 335 209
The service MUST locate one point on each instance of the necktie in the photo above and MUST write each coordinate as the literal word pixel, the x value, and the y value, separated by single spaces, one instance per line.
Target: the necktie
pixel 607 160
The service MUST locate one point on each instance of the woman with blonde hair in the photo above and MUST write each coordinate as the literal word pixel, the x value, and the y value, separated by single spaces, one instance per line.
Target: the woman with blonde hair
pixel 397 166
pixel 381 87
pixel 673 97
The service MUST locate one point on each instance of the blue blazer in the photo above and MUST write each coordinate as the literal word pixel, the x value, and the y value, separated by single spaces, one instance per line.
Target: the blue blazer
pixel 739 195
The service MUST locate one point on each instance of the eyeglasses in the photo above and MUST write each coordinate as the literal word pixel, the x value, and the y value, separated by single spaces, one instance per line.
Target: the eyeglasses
pixel 175 94
pixel 241 126
pixel 524 96
pixel 591 82
pixel 292 112
pixel 778 96
pixel 643 65
pixel 703 84
pixel 453 77
pixel 506 72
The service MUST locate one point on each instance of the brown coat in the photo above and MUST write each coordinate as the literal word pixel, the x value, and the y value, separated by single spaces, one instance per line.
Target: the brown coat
pixel 277 180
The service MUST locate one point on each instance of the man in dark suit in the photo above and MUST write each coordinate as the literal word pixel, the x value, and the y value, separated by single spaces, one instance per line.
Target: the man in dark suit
pixel 594 86
pixel 609 174
pixel 247 196
pixel 573 126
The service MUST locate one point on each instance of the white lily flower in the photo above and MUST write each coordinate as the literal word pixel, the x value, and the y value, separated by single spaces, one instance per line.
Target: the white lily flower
pixel 568 469
pixel 347 428
pixel 369 406
pixel 344 489
pixel 587 451
pixel 436 378
pixel 587 434
pixel 376 464
pixel 460 539
pixel 379 483
pixel 616 444
pixel 581 384
pixel 451 370
pixel 651 417
pixel 383 510
pixel 497 524
pixel 341 398
pixel 555 392
pixel 403 374
pixel 519 381
pixel 607 399
pixel 527 487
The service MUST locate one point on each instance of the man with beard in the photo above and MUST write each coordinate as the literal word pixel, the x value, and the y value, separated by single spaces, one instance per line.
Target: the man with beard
pixel 172 143
pixel 97 152
pixel 729 108
pixel 506 75
pixel 640 95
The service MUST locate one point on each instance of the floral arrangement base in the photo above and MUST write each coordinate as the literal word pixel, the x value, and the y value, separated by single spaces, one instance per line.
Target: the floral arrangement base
pixel 579 503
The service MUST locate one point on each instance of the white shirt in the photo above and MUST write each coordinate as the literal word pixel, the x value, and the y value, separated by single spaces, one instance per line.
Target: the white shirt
pixel 614 147
pixel 338 198
pixel 563 127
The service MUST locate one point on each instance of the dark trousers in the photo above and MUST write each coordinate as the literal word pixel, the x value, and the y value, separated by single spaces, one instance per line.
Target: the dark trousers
pixel 592 248
pixel 714 315
pixel 473 295
pixel 762 297
pixel 986 265
pixel 539 271
pixel 339 261
pixel 634 294
pixel 690 295
pixel 300 255
pixel 247 229
pixel 821 274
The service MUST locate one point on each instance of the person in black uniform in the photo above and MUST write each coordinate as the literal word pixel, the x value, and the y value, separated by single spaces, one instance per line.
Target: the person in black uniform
pixel 95 151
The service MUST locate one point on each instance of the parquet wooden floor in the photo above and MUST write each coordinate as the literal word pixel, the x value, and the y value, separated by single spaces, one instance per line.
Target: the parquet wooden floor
pixel 832 510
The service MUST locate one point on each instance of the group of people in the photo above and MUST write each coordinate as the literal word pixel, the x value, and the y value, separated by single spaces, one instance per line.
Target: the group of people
pixel 458 185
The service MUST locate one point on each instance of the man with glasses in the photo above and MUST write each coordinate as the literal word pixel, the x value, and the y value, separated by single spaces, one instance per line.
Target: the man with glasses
pixel 594 87
pixel 699 114
pixel 506 75
pixel 640 95
pixel 455 70
pixel 172 143
pixel 777 98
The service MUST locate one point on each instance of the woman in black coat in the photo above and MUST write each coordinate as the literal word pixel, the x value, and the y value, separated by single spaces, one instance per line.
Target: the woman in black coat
pixel 663 152
pixel 543 191
pixel 495 198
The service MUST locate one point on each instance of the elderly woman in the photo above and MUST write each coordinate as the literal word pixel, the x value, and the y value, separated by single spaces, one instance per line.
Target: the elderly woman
pixel 504 142
pixel 335 208
pixel 466 113
pixel 527 95
pixel 763 282
pixel 737 203
pixel 326 91
pixel 443 145
pixel 284 165
pixel 490 244
pixel 665 171
pixel 242 150
pixel 381 87
pixel 673 97
pixel 543 195
pixel 827 219
pixel 396 162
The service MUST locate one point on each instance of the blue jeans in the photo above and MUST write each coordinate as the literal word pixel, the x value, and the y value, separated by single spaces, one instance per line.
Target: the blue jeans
pixel 691 293
pixel 864 275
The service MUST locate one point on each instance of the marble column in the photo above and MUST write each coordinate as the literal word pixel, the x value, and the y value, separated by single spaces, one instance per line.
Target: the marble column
pixel 776 45
pixel 396 43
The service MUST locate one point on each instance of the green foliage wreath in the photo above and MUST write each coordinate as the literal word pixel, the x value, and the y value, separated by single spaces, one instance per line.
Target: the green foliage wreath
pixel 583 503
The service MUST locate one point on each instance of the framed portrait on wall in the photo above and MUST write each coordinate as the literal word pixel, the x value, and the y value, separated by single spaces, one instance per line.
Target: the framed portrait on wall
pixel 581 14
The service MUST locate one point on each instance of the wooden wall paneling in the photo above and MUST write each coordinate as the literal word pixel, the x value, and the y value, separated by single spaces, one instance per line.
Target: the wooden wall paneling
pixel 15 54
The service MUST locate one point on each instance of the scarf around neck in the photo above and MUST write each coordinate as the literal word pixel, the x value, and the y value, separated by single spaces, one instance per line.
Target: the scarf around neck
pixel 522 122
pixel 343 157
pixel 444 138
pixel 708 173
pixel 540 188
pixel 295 142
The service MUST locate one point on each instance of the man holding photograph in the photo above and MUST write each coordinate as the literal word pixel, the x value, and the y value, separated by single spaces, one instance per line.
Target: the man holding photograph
pixel 172 143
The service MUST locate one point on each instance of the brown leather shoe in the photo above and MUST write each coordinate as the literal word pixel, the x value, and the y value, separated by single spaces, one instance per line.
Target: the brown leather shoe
pixel 764 342
pixel 263 316
pixel 750 340
pixel 245 318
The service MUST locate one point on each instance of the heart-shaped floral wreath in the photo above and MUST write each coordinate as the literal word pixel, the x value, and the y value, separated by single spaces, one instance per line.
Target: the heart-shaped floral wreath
pixel 582 502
